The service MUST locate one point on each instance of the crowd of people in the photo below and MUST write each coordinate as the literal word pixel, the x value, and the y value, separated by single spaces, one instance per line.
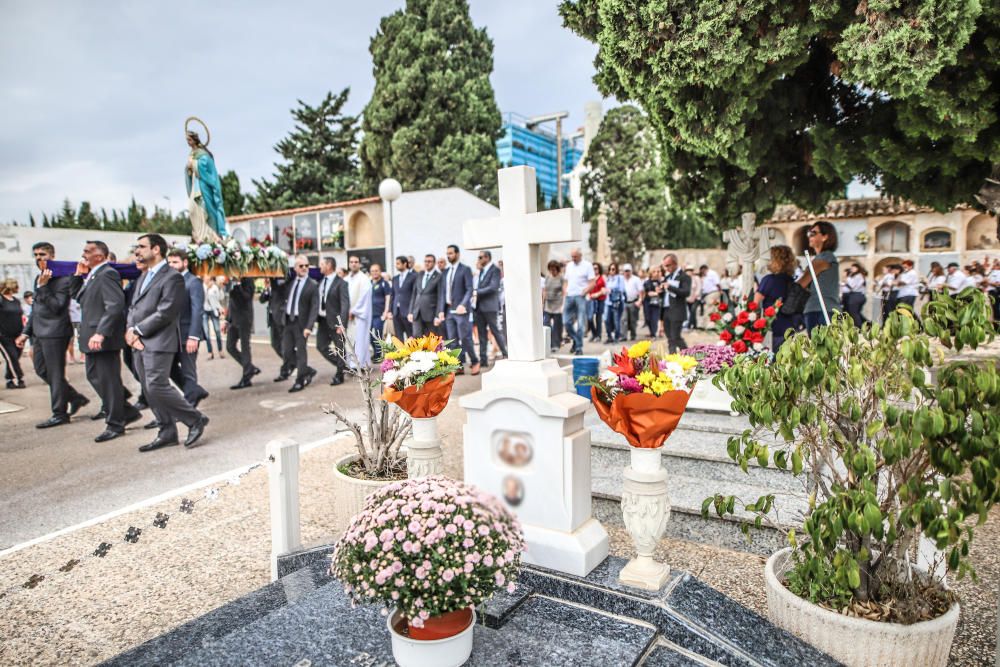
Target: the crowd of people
pixel 156 322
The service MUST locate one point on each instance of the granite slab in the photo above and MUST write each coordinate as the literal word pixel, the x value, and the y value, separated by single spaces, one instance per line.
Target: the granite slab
pixel 550 618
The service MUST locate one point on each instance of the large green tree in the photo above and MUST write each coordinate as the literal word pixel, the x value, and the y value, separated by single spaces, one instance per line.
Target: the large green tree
pixel 765 101
pixel 433 119
pixel 625 176
pixel 320 159
pixel 233 201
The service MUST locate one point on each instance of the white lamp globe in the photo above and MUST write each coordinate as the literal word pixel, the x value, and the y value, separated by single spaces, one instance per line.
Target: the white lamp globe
pixel 390 189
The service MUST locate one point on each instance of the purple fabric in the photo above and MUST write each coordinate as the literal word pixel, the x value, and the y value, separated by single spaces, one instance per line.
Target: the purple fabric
pixel 62 268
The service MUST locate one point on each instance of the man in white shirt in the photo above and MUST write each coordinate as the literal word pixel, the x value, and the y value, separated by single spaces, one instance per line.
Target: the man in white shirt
pixel 906 284
pixel 578 279
pixel 360 289
pixel 633 299
pixel 710 285
pixel 957 279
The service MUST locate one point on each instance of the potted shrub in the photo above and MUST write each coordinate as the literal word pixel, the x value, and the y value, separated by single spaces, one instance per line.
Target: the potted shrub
pixel 378 437
pixel 429 550
pixel 896 442
pixel 418 375
pixel 711 360
pixel 642 395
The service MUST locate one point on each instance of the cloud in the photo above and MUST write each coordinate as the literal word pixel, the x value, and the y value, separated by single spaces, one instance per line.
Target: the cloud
pixel 96 95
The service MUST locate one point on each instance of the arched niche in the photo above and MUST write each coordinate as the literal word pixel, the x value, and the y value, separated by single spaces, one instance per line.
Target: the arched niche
pixel 883 263
pixel 938 239
pixel 892 236
pixel 981 233
pixel 362 232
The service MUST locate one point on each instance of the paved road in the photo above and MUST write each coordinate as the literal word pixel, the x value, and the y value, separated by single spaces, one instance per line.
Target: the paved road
pixel 59 477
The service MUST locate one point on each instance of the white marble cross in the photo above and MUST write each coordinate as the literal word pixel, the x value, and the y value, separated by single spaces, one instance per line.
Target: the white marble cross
pixel 520 230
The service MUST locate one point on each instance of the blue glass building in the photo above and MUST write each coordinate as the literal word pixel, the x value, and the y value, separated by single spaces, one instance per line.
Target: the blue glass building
pixel 536 148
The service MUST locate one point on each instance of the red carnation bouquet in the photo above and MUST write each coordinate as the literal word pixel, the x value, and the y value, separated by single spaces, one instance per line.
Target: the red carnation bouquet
pixel 743 327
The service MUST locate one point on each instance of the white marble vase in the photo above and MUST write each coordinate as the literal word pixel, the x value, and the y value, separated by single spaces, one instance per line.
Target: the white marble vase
pixel 424 456
pixel 646 510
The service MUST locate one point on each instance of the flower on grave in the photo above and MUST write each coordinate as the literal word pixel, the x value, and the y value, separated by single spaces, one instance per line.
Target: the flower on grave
pixel 427 547
pixel 740 347
pixel 414 362
pixel 711 358
pixel 769 311
pixel 738 330
pixel 748 326
pixel 203 251
pixel 728 317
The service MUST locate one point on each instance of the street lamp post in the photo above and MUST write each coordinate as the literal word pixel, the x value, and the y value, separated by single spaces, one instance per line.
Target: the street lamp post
pixel 532 123
pixel 389 190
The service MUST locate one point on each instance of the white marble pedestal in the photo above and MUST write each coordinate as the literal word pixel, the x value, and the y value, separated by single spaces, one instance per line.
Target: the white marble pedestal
pixel 525 443
pixel 646 510
pixel 424 456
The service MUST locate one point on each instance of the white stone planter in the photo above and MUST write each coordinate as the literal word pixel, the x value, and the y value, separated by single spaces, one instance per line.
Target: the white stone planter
pixel 423 449
pixel 449 652
pixel 646 510
pixel 855 641
pixel 706 396
pixel 349 493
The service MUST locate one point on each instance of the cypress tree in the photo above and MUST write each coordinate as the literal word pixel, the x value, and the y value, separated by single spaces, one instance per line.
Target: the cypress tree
pixel 432 120
pixel 233 200
pixel 762 103
pixel 320 159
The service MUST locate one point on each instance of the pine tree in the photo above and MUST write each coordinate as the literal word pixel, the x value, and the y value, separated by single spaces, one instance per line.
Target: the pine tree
pixel 762 103
pixel 233 200
pixel 85 218
pixel 67 216
pixel 320 159
pixel 433 120
pixel 134 217
pixel 31 221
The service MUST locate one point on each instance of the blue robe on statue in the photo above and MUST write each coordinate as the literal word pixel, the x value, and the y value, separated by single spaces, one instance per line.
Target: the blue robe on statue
pixel 207 192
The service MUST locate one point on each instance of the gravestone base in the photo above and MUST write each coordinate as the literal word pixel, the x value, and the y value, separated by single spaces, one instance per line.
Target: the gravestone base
pixel 575 553
pixel 551 618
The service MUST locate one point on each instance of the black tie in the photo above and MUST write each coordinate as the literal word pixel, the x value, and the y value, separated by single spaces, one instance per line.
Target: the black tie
pixel 323 297
pixel 293 306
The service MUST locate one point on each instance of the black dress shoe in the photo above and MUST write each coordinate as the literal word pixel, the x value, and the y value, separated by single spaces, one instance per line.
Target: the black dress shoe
pixel 195 432
pixel 141 405
pixel 460 371
pixel 133 417
pixel 108 435
pixel 151 425
pixel 103 414
pixel 199 400
pixel 256 371
pixel 159 443
pixel 53 421
pixel 242 384
pixel 282 377
pixel 337 379
pixel 298 386
pixel 310 374
pixel 76 404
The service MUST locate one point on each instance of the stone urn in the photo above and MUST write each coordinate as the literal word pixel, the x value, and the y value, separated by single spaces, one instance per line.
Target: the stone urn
pixel 423 449
pixel 856 642
pixel 646 510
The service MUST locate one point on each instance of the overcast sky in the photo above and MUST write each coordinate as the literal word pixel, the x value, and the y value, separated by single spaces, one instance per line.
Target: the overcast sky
pixel 96 93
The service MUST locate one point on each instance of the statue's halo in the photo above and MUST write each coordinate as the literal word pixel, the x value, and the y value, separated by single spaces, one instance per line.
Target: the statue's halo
pixel 187 123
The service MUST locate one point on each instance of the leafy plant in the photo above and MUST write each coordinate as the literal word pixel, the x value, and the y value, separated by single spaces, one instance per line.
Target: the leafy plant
pixel 895 441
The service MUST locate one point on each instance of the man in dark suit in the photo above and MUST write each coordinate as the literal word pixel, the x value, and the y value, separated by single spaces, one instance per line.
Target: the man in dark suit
pixel 127 351
pixel 155 334
pixel 677 288
pixel 402 296
pixel 275 295
pixel 301 312
pixel 486 305
pixel 454 304
pixel 238 326
pixel 334 313
pixel 185 370
pixel 424 304
pixel 98 289
pixel 50 331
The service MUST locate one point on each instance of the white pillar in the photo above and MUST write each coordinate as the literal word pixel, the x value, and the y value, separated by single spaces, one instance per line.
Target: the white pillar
pixel 283 487
pixel 424 456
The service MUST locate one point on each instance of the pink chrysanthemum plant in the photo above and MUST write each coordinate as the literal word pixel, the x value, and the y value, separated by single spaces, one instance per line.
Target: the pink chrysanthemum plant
pixel 428 547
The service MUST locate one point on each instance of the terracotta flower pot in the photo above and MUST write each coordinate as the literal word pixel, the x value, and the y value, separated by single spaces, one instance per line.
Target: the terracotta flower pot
pixel 445 625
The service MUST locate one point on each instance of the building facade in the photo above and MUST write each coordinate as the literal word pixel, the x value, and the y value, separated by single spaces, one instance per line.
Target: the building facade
pixel 877 232
pixel 537 148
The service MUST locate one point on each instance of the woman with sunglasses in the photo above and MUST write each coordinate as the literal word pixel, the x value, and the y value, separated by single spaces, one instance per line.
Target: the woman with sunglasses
pixel 615 285
pixel 823 242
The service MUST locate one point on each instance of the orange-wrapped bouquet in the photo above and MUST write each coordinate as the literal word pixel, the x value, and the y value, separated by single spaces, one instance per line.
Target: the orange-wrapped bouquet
pixel 643 395
pixel 418 374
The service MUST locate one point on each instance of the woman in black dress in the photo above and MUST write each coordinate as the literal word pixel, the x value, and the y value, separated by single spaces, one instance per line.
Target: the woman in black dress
pixel 11 326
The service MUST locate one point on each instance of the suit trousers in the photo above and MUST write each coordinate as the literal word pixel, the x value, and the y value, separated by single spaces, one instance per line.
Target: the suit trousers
pixel 402 327
pixel 423 327
pixel 104 372
pixel 675 341
pixel 240 335
pixel 185 375
pixel 295 348
pixel 458 328
pixel 486 321
pixel 167 404
pixel 278 345
pixel 49 356
pixel 630 322
pixel 330 345
pixel 11 355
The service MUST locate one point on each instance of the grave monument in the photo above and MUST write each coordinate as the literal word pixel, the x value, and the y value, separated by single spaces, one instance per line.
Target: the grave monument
pixel 525 441
pixel 746 248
